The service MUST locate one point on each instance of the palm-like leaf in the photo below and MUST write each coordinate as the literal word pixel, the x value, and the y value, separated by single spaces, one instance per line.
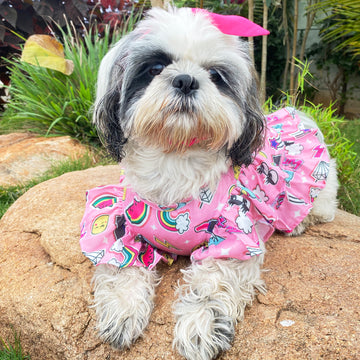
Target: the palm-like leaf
pixel 345 23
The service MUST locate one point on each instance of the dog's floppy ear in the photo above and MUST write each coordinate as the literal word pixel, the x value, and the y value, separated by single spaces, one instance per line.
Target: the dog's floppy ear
pixel 107 108
pixel 252 137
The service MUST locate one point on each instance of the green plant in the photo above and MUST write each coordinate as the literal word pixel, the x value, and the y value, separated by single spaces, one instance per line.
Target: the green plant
pixel 48 102
pixel 12 350
pixel 349 193
pixel 343 28
pixel 338 69
pixel 28 17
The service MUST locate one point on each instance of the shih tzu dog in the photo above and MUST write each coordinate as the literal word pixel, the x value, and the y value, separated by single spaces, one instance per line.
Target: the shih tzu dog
pixel 203 174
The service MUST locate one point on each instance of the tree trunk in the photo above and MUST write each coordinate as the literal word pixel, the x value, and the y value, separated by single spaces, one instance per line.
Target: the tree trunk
pixel 310 16
pixel 343 94
pixel 287 44
pixel 292 89
pixel 251 18
pixel 264 56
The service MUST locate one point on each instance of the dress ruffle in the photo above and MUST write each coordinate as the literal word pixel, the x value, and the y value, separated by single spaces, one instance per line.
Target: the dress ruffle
pixel 290 170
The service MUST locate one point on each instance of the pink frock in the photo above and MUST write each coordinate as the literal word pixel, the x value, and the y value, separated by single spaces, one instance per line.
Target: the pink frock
pixel 275 192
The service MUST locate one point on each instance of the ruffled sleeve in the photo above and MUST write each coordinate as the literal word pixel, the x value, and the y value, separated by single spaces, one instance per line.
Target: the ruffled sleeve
pixel 288 173
pixel 237 232
pixel 106 235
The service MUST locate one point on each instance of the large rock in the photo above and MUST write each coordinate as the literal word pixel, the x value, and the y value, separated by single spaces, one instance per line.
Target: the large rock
pixel 24 156
pixel 311 310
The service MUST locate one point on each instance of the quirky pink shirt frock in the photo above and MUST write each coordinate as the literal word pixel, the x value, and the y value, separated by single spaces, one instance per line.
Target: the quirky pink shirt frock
pixel 275 192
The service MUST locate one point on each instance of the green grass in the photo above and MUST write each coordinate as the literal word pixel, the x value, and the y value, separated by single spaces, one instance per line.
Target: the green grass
pixel 12 350
pixel 9 194
pixel 46 101
pixel 351 129
pixel 349 193
pixel 342 137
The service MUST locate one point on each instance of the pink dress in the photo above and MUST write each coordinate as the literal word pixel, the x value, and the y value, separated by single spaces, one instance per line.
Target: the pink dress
pixel 275 192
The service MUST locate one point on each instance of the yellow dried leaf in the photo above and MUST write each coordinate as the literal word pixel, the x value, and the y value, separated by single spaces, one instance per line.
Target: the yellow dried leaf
pixel 45 51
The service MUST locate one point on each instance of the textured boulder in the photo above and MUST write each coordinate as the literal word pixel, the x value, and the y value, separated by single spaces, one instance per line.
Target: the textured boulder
pixel 24 156
pixel 311 310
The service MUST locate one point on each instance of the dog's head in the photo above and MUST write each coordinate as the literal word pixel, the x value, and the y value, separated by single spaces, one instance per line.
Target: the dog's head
pixel 177 82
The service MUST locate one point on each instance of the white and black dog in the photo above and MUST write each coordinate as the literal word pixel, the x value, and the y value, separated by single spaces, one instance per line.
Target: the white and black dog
pixel 177 104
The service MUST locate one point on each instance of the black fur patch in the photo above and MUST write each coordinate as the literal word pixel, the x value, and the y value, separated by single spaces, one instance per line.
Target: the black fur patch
pixel 140 74
pixel 252 137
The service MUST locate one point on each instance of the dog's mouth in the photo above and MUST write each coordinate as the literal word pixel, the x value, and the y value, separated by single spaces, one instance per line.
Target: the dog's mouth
pixel 178 126
pixel 180 144
pixel 192 143
pixel 178 136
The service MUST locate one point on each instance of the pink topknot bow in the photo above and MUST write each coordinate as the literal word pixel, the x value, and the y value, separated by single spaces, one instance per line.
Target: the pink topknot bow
pixel 234 24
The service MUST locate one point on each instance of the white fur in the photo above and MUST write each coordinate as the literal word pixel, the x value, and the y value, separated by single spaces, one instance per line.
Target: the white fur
pixel 123 300
pixel 211 300
pixel 214 293
pixel 169 178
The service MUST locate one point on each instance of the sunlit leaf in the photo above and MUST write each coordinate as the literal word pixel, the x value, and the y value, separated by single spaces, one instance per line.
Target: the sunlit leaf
pixel 45 51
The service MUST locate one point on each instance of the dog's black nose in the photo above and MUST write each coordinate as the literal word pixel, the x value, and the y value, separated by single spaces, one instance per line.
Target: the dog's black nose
pixel 185 83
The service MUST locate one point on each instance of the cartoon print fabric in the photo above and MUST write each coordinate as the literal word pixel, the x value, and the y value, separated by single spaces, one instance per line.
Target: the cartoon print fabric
pixel 275 192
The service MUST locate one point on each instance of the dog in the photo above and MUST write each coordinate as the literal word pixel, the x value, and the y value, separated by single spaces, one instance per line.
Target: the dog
pixel 204 173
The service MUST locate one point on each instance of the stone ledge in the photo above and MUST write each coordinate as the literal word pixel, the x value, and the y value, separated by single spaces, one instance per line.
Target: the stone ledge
pixel 45 290
pixel 24 156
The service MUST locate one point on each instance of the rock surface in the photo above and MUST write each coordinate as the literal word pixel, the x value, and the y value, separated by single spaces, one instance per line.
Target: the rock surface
pixel 311 310
pixel 24 156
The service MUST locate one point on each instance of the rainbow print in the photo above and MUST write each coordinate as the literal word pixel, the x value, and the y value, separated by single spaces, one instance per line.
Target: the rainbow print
pixel 104 201
pixel 129 255
pixel 137 212
pixel 166 221
pixel 232 187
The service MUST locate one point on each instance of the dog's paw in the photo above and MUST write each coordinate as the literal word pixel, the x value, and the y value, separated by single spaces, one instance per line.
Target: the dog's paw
pixel 202 330
pixel 299 229
pixel 121 331
pixel 123 303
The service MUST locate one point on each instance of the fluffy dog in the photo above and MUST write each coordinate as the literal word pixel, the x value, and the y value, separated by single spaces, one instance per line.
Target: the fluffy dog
pixel 206 174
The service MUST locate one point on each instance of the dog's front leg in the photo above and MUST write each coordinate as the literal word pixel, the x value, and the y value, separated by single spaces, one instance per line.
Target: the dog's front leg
pixel 123 300
pixel 211 300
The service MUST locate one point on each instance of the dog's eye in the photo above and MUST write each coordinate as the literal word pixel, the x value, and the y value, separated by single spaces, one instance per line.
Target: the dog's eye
pixel 156 69
pixel 215 76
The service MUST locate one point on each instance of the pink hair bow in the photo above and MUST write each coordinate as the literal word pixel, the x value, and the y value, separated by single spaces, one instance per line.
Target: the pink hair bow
pixel 234 24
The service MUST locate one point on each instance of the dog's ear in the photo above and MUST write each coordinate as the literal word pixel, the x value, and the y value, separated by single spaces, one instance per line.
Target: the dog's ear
pixel 107 115
pixel 252 137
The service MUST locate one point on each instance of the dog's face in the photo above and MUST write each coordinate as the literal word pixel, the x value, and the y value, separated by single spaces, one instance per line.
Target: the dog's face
pixel 177 82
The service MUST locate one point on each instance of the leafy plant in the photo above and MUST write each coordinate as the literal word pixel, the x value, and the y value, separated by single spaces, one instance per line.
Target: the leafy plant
pixel 12 350
pixel 38 17
pixel 342 17
pixel 49 102
pixel 21 19
pixel 337 68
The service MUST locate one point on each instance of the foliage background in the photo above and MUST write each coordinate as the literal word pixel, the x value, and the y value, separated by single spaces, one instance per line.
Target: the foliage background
pixel 51 103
